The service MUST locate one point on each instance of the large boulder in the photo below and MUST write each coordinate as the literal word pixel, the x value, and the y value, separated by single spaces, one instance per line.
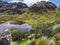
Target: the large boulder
pixel 4 41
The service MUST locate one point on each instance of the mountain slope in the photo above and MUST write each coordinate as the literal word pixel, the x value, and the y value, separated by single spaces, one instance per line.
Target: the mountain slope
pixel 42 6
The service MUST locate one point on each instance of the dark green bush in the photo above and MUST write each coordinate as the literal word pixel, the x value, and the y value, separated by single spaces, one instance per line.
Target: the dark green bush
pixel 57 30
pixel 49 32
pixel 17 35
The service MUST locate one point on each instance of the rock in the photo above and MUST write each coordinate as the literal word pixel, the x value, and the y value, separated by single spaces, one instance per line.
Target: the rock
pixel 43 6
pixel 4 41
pixel 12 8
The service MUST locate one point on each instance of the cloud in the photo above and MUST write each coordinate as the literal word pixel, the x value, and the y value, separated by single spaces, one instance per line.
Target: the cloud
pixel 14 1
pixel 30 2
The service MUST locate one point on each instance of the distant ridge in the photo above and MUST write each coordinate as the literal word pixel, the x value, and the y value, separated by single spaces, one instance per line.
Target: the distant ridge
pixel 43 6
pixel 20 8
pixel 5 6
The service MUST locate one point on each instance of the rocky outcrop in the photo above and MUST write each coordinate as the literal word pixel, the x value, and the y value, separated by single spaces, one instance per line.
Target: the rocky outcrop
pixel 12 7
pixel 43 6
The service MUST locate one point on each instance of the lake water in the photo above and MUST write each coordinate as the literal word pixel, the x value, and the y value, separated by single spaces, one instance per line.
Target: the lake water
pixel 22 27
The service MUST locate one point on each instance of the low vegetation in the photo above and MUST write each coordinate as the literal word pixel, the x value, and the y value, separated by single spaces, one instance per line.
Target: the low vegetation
pixel 43 31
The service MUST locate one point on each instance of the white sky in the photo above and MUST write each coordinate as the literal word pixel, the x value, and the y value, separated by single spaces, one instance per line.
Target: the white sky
pixel 14 0
pixel 32 1
pixel 28 2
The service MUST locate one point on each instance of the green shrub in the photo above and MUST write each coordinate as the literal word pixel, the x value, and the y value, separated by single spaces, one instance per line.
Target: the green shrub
pixel 58 43
pixel 31 36
pixel 42 41
pixel 48 31
pixel 32 42
pixel 58 14
pixel 57 29
pixel 57 36
pixel 17 35
pixel 23 43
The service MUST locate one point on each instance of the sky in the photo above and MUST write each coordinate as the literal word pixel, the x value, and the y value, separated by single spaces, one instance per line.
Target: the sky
pixel 30 2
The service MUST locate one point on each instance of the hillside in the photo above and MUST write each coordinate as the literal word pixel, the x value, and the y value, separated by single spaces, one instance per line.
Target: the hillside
pixel 12 8
pixel 44 17
pixel 42 23
pixel 43 6
pixel 20 8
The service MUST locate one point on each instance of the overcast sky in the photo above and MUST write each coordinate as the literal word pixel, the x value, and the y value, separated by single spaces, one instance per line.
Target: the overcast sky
pixel 30 2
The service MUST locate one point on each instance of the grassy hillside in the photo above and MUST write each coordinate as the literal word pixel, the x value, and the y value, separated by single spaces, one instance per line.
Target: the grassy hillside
pixel 42 27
